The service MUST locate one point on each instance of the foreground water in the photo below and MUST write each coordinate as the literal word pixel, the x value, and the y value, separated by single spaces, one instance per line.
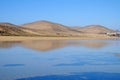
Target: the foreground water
pixel 60 60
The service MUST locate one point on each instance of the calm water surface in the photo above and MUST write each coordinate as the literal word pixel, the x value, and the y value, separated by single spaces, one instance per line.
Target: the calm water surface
pixel 60 60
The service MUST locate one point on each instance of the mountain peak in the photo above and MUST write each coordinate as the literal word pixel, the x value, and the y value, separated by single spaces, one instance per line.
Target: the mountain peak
pixel 38 22
pixel 42 25
pixel 100 26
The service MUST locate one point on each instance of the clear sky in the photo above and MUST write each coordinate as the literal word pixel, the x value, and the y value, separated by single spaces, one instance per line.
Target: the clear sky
pixel 67 12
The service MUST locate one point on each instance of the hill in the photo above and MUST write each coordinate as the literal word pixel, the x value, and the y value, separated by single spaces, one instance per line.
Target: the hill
pixel 11 29
pixel 8 29
pixel 95 29
pixel 47 27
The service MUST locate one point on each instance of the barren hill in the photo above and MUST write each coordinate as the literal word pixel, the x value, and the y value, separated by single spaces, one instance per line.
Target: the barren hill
pixel 45 25
pixel 50 27
pixel 95 29
pixel 46 28
pixel 10 29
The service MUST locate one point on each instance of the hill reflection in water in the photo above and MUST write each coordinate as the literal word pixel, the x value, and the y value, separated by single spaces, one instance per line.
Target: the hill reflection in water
pixel 60 60
pixel 46 45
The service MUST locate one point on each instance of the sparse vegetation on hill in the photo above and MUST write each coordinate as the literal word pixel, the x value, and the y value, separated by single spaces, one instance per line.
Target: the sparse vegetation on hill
pixel 50 29
pixel 94 29
pixel 7 29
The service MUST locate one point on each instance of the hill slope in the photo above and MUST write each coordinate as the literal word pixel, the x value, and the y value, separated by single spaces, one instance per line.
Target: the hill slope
pixel 47 27
pixel 10 29
pixel 95 29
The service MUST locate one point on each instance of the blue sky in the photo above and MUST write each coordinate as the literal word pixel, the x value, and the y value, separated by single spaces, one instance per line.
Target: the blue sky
pixel 67 12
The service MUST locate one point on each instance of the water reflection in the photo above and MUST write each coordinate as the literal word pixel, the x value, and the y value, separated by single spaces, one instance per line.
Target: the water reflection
pixel 12 65
pixel 98 44
pixel 63 60
pixel 78 76
pixel 8 44
pixel 46 45
pixel 117 54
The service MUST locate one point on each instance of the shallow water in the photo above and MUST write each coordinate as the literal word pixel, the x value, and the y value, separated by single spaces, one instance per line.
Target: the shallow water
pixel 60 60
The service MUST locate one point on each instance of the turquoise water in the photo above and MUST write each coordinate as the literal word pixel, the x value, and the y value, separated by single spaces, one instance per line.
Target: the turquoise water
pixel 60 60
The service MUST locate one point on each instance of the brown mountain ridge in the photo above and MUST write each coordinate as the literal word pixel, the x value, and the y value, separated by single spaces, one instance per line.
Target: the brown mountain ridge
pixel 46 28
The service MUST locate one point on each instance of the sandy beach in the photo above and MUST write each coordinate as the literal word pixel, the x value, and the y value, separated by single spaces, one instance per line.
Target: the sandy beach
pixel 19 38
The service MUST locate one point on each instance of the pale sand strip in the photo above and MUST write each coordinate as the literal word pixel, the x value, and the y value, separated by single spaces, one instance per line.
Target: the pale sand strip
pixel 19 38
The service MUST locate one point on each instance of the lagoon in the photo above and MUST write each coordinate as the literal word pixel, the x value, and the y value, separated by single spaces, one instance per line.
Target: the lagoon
pixel 60 60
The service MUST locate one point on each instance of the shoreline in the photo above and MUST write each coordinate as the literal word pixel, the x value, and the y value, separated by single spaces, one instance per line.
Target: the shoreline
pixel 23 38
